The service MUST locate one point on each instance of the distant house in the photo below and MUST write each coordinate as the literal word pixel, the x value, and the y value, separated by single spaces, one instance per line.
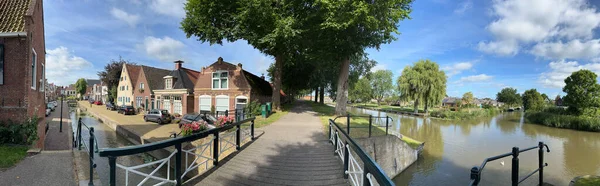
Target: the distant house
pixel 70 90
pixel 558 101
pixel 149 80
pixel 451 102
pixel 177 95
pixel 129 75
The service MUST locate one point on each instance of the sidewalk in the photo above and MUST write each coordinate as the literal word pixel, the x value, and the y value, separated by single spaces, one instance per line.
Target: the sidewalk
pixel 54 165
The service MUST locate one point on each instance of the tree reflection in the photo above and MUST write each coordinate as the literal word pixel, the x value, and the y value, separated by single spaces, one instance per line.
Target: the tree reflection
pixel 428 132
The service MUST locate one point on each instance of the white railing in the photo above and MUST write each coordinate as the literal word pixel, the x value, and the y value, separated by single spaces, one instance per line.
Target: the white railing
pixel 331 133
pixel 340 147
pixel 198 157
pixel 354 171
pixel 227 141
pixel 246 133
pixel 370 179
pixel 162 162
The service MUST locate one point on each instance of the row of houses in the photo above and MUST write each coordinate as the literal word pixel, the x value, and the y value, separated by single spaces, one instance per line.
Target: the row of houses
pixel 221 86
pixel 455 102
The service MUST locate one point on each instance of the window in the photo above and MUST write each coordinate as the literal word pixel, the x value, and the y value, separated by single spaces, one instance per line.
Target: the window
pixel 43 80
pixel 121 79
pixel 33 68
pixel 219 80
pixel 240 102
pixel 141 85
pixel 125 78
pixel 205 103
pixel 167 103
pixel 222 103
pixel 1 64
pixel 177 106
pixel 168 83
pixel 138 101
pixel 158 100
pixel 127 87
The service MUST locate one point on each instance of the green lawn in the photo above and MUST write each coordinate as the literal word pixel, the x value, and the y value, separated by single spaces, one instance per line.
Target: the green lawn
pixel 261 122
pixel 327 112
pixel 11 155
pixel 588 181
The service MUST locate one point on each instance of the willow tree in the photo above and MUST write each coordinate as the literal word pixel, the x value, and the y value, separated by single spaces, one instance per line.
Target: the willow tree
pixel 272 27
pixel 423 82
pixel 347 27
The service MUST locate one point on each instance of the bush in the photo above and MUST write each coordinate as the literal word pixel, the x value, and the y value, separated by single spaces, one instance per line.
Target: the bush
pixel 464 114
pixel 254 108
pixel 551 119
pixel 24 133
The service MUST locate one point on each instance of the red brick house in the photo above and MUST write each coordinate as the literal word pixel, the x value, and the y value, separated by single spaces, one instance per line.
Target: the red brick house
pixel 177 95
pixel 226 86
pixel 22 62
pixel 149 79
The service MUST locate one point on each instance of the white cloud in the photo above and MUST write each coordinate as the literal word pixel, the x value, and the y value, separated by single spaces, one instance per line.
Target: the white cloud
pixel 131 19
pixel 64 68
pixel 560 70
pixel 378 67
pixel 172 8
pixel 475 78
pixel 457 68
pixel 463 7
pixel 164 49
pixel 574 49
pixel 519 24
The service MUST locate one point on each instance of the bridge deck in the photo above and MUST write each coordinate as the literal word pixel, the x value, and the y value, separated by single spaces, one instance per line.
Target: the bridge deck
pixel 293 151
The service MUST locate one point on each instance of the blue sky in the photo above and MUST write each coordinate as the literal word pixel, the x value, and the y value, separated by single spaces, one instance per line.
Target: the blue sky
pixel 483 46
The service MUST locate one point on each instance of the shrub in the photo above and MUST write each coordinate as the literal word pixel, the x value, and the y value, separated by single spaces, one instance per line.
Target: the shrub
pixel 464 114
pixel 24 133
pixel 550 119
pixel 254 108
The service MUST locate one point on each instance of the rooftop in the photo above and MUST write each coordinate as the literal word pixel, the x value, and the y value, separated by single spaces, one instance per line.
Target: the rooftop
pixel 12 15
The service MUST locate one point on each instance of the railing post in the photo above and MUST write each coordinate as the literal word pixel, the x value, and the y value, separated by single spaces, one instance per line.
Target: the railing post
pixel 348 124
pixel 91 153
pixel 515 166
pixel 252 130
pixel 178 164
pixel 335 143
pixel 365 180
pixel 370 124
pixel 238 135
pixel 387 120
pixel 216 149
pixel 226 113
pixel 541 162
pixel 329 133
pixel 346 163
pixel 79 134
pixel 475 175
pixel 112 163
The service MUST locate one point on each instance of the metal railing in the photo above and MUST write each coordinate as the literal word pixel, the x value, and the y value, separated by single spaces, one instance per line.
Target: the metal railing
pixel 91 148
pixel 113 153
pixel 344 146
pixel 476 171
pixel 348 116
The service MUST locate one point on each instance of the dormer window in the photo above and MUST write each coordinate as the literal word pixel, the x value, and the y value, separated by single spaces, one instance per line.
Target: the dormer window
pixel 168 82
pixel 220 80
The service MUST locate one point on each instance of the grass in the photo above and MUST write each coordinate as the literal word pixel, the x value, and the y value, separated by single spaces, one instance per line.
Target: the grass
pixel 261 122
pixel 588 181
pixel 327 112
pixel 11 155
pixel 388 107
pixel 464 114
pixel 552 119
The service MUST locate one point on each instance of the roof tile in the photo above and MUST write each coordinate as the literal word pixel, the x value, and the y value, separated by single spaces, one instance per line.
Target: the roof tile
pixel 12 15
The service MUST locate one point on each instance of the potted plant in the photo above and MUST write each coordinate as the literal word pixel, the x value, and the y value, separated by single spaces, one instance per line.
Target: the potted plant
pixel 224 120
pixel 193 127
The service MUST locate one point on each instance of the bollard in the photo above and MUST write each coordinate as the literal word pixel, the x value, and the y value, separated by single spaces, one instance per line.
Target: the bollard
pixel 515 166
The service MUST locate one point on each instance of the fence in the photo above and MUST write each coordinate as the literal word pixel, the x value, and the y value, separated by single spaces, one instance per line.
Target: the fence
pixel 476 171
pixel 218 146
pixel 344 146
pixel 370 127
pixel 91 148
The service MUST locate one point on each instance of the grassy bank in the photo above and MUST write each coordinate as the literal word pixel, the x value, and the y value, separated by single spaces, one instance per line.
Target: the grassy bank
pixel 261 122
pixel 387 107
pixel 11 155
pixel 587 181
pixel 553 119
pixel 327 112
pixel 465 113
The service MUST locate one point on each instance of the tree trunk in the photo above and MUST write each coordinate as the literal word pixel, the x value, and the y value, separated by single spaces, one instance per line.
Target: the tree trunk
pixel 316 94
pixel 342 88
pixel 322 95
pixel 276 97
pixel 416 106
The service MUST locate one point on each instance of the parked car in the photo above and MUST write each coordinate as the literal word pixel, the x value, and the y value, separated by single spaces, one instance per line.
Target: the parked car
pixel 158 116
pixel 91 101
pixel 97 102
pixel 50 106
pixel 110 106
pixel 126 110
pixel 48 111
pixel 191 117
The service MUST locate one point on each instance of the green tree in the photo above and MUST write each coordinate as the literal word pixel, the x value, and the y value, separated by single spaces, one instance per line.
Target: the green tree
pixel 509 96
pixel 111 76
pixel 468 99
pixel 533 100
pixel 423 82
pixel 381 81
pixel 583 92
pixel 81 86
pixel 361 90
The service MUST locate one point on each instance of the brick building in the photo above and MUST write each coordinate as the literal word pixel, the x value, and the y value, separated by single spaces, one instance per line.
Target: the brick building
pixel 177 95
pixel 149 79
pixel 22 62
pixel 125 89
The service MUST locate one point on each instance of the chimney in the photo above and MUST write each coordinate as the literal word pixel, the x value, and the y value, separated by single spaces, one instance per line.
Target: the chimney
pixel 178 64
pixel 220 60
pixel 262 76
pixel 240 65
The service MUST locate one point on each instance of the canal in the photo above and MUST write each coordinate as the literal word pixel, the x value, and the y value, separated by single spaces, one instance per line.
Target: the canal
pixel 452 148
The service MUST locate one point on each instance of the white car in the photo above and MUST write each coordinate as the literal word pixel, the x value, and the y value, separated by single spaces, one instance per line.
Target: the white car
pixel 48 112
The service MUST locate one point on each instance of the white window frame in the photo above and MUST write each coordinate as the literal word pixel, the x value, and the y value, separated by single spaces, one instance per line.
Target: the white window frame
pixel 141 85
pixel 34 69
pixel 177 105
pixel 200 102
pixel 212 80
pixel 43 79
pixel 169 83
pixel 217 103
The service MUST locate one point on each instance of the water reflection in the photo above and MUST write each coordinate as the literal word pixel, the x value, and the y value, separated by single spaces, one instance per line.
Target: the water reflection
pixel 453 147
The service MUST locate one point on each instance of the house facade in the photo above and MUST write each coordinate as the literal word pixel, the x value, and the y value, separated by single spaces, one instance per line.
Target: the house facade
pixel 227 87
pixel 125 89
pixel 177 95
pixel 22 62
pixel 149 79
pixel 70 90
pixel 100 92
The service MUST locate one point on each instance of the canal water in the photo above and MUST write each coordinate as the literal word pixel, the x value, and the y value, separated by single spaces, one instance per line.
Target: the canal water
pixel 452 148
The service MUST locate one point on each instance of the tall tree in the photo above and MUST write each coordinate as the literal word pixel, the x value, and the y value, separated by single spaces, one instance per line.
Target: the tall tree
pixel 111 76
pixel 381 81
pixel 509 96
pixel 532 100
pixel 583 91
pixel 360 66
pixel 81 86
pixel 361 90
pixel 468 99
pixel 423 82
pixel 409 86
